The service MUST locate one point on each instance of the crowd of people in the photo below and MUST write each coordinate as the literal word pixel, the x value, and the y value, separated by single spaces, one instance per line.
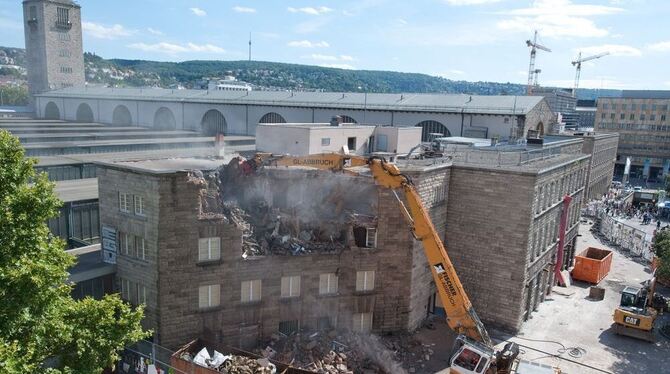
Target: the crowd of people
pixel 616 205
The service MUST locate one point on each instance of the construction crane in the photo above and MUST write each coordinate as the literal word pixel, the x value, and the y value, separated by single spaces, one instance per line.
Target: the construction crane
pixel 578 64
pixel 537 75
pixel 531 68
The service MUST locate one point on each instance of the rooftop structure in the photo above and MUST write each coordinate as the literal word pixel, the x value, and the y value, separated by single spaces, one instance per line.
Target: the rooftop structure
pixel 238 113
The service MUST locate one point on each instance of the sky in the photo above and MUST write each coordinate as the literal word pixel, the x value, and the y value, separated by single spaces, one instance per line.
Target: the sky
pixel 473 40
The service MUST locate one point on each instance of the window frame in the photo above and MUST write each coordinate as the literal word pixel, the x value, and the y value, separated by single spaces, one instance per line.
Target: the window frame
pixel 331 284
pixel 213 292
pixel 124 204
pixel 211 250
pixel 290 283
pixel 253 297
pixel 367 285
pixel 138 209
pixel 362 322
pixel 367 237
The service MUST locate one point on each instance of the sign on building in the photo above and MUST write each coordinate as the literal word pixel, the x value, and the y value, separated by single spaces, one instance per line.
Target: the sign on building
pixel 109 244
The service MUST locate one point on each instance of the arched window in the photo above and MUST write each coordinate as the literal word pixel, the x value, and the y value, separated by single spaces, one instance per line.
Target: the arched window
pixel 540 128
pixel 432 127
pixel 213 122
pixel 51 111
pixel 84 113
pixel 272 117
pixel 164 119
pixel 347 119
pixel 121 116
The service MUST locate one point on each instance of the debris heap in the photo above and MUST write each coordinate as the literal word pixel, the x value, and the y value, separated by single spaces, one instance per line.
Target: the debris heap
pixel 340 353
pixel 231 364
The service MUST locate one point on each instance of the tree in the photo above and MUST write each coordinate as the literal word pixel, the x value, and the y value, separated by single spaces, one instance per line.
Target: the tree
pixel 40 324
pixel 13 95
pixel 662 251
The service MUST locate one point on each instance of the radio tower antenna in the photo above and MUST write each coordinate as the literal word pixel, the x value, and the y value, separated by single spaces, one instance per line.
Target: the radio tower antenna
pixel 249 46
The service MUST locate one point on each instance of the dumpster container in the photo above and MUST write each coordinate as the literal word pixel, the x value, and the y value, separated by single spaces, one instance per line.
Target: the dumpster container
pixel 592 265
pixel 179 362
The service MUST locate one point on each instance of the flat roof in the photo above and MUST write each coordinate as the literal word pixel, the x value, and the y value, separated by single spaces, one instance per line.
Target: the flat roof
pixel 113 142
pixel 77 189
pixel 132 134
pixel 75 159
pixel 449 103
pixel 168 165
pixel 645 94
pixel 89 264
pixel 318 126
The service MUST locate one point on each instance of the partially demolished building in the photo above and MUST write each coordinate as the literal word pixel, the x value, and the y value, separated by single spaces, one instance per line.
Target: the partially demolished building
pixel 237 259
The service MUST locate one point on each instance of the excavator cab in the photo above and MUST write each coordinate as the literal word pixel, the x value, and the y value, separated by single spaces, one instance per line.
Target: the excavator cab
pixel 469 357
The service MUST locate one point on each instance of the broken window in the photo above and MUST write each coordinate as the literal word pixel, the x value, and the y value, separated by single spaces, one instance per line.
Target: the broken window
pixel 288 327
pixel 365 280
pixel 209 296
pixel 124 202
pixel 290 286
pixel 251 291
pixel 209 249
pixel 328 284
pixel 371 237
pixel 362 322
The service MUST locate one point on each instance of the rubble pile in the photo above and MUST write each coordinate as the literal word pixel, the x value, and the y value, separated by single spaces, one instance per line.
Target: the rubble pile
pixel 346 353
pixel 267 230
pixel 231 364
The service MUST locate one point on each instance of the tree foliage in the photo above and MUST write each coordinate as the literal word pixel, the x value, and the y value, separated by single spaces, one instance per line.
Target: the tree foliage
pixel 13 95
pixel 662 251
pixel 42 329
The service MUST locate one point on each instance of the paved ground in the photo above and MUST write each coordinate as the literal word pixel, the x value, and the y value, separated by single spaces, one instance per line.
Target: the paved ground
pixel 574 321
pixel 577 321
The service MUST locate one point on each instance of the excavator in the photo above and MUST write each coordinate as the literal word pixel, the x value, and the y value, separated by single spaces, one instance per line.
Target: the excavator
pixel 473 351
pixel 637 312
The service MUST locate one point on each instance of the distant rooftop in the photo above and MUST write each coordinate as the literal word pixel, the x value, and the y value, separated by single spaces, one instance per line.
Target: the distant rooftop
pixel 319 125
pixel 645 94
pixel 510 105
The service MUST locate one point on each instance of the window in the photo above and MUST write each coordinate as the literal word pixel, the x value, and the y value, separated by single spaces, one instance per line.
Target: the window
pixel 652 117
pixel 62 16
pixel 209 249
pixel 124 245
pixel 325 141
pixel 251 291
pixel 139 248
pixel 654 107
pixel 125 289
pixel 371 237
pixel 64 53
pixel 632 116
pixel 506 120
pixel 623 106
pixel 633 106
pixel 290 286
pixel 124 203
pixel 362 322
pixel 662 117
pixel 140 294
pixel 288 327
pixel 365 280
pixel 602 115
pixel 643 107
pixel 328 284
pixel 351 143
pixel 139 205
pixel 209 296
pixel 622 116
pixel 642 117
pixel 33 13
pixel 606 106
pixel 66 70
pixel 612 115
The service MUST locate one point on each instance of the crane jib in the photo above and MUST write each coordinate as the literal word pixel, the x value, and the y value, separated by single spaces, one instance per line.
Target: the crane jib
pixel 447 283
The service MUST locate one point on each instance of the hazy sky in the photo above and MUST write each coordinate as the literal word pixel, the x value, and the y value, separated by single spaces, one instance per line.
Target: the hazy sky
pixel 458 39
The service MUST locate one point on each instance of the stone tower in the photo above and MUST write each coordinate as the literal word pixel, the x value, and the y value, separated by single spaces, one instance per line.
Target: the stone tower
pixel 54 51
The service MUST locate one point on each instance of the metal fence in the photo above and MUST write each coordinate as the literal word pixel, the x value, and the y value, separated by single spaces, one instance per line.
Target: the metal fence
pixel 145 357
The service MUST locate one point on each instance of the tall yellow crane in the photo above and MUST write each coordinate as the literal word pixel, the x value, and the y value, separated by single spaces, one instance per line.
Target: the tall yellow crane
pixel 578 64
pixel 534 46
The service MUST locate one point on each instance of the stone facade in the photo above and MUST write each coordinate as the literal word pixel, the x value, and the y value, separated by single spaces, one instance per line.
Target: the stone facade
pixel 169 274
pixel 502 228
pixel 54 51
pixel 603 150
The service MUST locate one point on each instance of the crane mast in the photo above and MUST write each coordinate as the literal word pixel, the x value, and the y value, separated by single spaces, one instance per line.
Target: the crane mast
pixel 578 64
pixel 534 46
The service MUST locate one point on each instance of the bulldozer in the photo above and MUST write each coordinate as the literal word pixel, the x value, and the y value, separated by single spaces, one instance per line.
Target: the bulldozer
pixel 637 311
